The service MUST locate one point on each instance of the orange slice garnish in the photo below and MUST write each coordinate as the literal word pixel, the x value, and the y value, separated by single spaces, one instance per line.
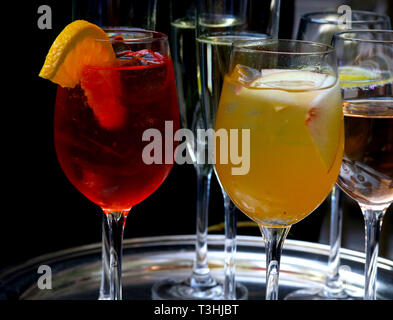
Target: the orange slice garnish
pixel 77 46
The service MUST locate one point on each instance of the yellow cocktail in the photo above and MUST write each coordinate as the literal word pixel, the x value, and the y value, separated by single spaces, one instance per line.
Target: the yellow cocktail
pixel 296 142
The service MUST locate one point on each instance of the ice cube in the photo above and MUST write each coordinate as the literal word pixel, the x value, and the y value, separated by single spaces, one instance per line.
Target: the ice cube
pixel 140 58
pixel 245 74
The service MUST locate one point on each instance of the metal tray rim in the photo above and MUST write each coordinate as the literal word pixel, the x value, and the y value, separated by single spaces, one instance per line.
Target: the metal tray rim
pixel 311 247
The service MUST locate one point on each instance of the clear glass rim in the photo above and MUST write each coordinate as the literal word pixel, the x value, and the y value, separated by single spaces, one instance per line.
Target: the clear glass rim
pixel 341 36
pixel 311 17
pixel 242 45
pixel 156 35
pixel 252 36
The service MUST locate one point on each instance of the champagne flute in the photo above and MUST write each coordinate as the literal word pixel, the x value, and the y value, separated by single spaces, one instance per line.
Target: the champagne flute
pixel 99 130
pixel 366 173
pixel 284 96
pixel 320 27
pixel 200 284
pixel 112 15
pixel 189 20
pixel 219 24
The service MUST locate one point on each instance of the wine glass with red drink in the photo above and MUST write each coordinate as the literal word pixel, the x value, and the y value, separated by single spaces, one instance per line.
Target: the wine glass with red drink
pixel 100 126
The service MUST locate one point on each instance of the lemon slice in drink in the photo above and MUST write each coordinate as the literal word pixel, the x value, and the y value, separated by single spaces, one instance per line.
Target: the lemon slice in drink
pixel 292 80
pixel 353 76
pixel 75 47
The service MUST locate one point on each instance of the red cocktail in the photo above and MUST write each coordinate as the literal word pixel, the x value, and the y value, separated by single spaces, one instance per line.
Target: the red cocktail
pixel 99 126
pixel 113 87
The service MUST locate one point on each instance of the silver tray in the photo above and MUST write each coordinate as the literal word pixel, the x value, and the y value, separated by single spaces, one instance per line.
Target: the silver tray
pixel 76 272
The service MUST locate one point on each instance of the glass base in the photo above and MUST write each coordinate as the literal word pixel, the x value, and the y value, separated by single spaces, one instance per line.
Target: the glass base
pixel 182 290
pixel 322 294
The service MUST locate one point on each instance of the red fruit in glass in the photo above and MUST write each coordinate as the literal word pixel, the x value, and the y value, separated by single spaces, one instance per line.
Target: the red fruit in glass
pixel 99 126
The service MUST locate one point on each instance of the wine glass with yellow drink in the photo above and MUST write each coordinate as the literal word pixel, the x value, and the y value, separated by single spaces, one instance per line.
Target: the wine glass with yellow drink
pixel 285 95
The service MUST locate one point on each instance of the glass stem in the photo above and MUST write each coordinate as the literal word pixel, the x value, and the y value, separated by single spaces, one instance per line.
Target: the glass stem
pixel 274 22
pixel 116 221
pixel 201 274
pixel 230 248
pixel 105 273
pixel 333 284
pixel 274 240
pixel 373 224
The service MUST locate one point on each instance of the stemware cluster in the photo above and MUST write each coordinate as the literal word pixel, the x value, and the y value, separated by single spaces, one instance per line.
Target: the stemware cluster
pixel 295 103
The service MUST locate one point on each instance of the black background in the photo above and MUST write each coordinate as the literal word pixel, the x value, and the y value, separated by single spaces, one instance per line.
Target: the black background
pixel 42 212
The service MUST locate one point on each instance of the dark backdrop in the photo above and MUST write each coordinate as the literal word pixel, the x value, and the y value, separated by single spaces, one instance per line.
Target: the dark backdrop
pixel 43 212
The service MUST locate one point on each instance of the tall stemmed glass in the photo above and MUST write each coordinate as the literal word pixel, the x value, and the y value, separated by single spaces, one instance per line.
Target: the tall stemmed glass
pixel 100 131
pixel 112 15
pixel 282 100
pixel 219 24
pixel 366 174
pixel 200 284
pixel 190 19
pixel 320 27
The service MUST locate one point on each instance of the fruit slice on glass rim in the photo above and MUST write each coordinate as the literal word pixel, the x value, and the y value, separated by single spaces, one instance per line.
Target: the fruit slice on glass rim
pixel 82 44
pixel 74 48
